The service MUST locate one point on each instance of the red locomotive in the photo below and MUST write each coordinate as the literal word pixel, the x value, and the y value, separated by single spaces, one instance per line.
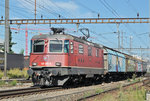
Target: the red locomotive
pixel 59 57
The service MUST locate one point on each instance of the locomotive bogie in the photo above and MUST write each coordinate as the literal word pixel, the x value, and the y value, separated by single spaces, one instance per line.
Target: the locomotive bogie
pixel 59 75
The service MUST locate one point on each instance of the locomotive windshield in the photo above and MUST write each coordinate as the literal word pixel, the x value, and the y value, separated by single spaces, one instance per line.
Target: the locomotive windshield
pixel 55 46
pixel 38 46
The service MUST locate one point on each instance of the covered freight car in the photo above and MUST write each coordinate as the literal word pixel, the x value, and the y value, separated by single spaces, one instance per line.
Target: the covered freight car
pixel 115 64
pixel 120 64
pixel 114 61
pixel 135 65
pixel 131 64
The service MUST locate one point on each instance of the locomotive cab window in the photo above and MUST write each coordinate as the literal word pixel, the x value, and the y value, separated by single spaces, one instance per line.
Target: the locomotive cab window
pixel 66 46
pixel 55 46
pixel 38 46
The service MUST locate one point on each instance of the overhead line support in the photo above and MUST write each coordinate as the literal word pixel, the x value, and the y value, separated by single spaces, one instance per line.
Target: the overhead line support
pixel 6 49
pixel 35 9
pixel 78 21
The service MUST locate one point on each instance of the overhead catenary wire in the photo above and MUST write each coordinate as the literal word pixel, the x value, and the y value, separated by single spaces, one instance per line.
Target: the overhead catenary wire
pixel 131 5
pixel 86 7
pixel 54 11
pixel 51 11
pixel 93 11
pixel 117 15
pixel 60 8
pixel 90 30
pixel 23 13
pixel 114 12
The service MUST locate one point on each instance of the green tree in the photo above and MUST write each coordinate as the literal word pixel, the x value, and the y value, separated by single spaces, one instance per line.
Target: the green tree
pixel 22 51
pixel 10 42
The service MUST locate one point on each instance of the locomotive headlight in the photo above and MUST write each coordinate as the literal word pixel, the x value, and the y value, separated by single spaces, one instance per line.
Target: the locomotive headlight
pixel 58 63
pixel 34 64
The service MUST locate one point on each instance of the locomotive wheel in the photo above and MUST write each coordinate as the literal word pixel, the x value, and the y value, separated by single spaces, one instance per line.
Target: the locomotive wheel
pixel 42 82
pixel 34 80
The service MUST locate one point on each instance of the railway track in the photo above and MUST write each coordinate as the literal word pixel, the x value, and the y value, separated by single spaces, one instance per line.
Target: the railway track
pixel 143 83
pixel 5 94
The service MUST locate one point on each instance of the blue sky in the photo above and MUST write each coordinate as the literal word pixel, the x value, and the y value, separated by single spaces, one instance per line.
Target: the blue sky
pixel 100 33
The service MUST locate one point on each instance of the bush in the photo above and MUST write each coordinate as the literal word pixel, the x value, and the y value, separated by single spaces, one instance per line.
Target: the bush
pixel 14 73
pixel 134 76
pixel 24 73
pixel 13 83
pixel 17 73
pixel 1 74
pixel 2 83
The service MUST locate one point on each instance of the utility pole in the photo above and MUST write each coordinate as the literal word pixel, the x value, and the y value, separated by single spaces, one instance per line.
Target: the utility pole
pixel 130 43
pixel 149 29
pixel 26 35
pixel 122 41
pixel 6 50
pixel 149 45
pixel 77 26
pixel 118 36
pixel 35 11
pixel 141 51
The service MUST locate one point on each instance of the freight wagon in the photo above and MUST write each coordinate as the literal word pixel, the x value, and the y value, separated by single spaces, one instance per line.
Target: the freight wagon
pixel 122 64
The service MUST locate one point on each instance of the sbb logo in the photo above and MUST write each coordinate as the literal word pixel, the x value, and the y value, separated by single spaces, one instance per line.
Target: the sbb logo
pixel 45 58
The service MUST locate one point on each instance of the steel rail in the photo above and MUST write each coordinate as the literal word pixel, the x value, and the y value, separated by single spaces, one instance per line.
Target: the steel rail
pixel 25 91
pixel 18 81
